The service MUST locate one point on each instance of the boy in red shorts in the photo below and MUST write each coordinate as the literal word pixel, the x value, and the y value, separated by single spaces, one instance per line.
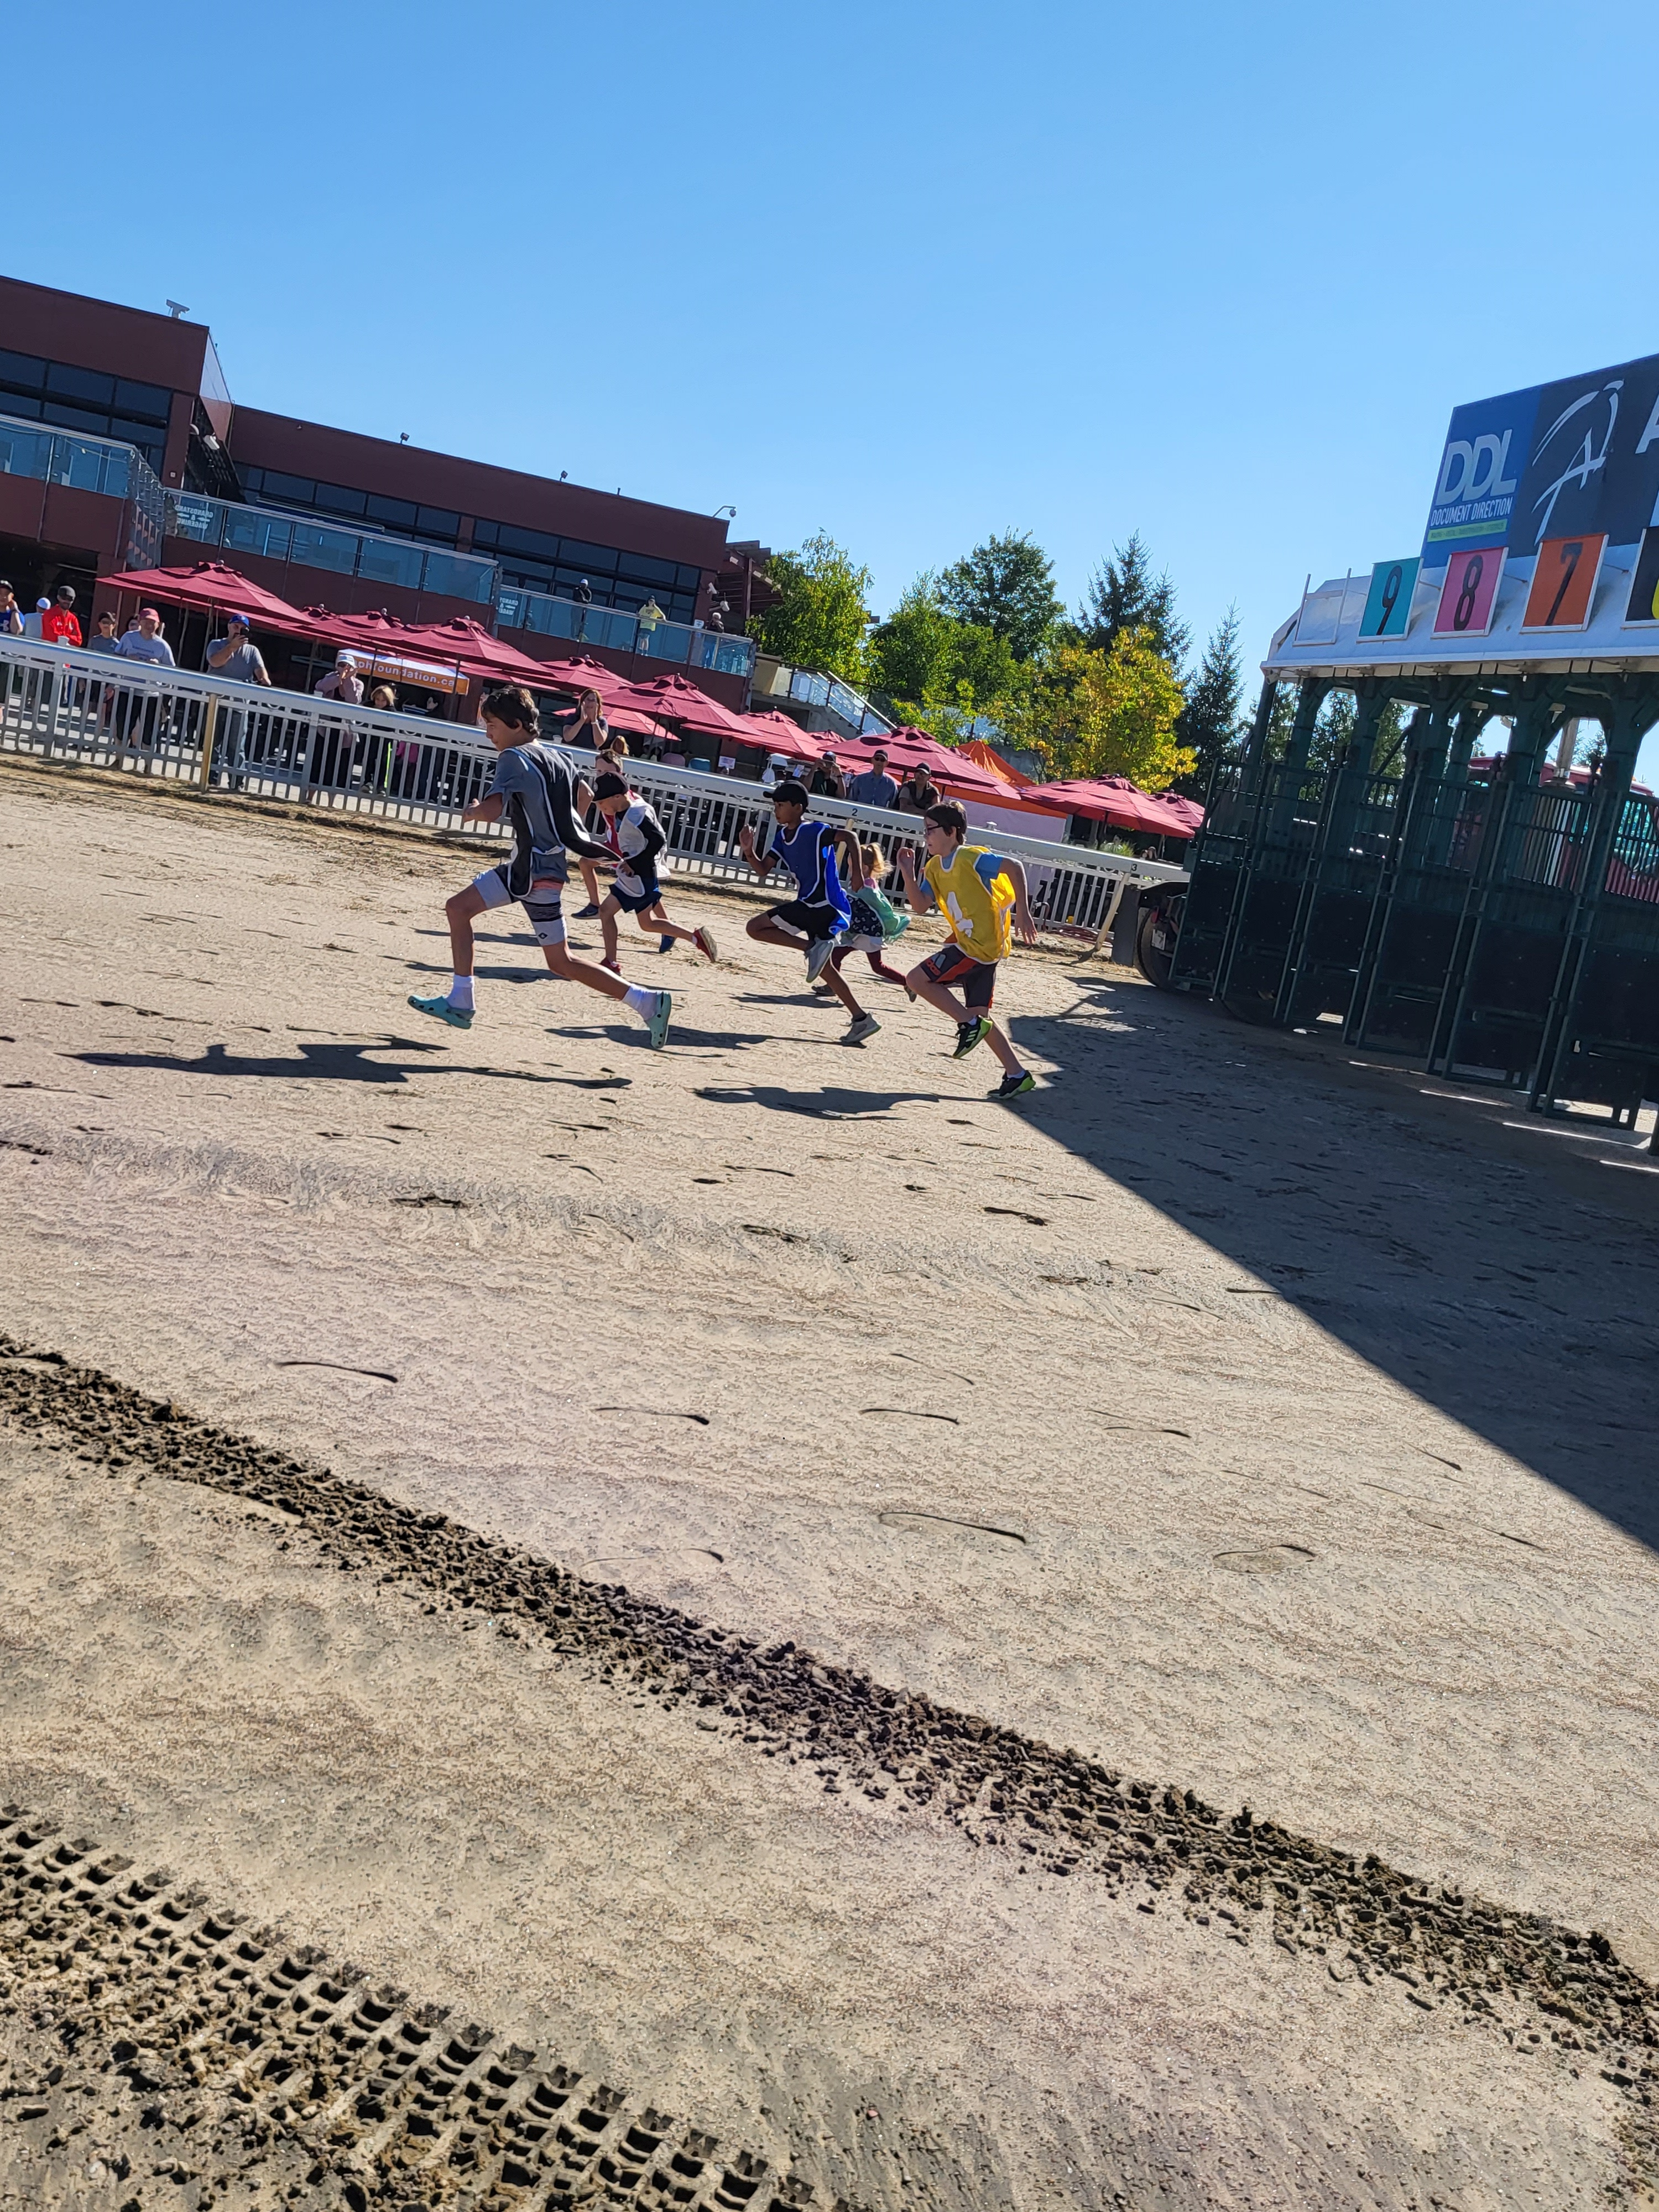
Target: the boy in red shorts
pixel 981 894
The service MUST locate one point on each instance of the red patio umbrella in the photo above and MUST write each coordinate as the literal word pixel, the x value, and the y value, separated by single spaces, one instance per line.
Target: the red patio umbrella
pixel 782 733
pixel 1112 799
pixel 671 699
pixel 213 584
pixel 954 772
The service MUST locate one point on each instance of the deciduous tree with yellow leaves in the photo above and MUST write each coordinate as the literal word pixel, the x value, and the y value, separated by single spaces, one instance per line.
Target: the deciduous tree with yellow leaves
pixel 1088 713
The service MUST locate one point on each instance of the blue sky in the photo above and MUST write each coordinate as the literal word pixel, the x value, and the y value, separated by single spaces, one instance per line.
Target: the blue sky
pixel 910 273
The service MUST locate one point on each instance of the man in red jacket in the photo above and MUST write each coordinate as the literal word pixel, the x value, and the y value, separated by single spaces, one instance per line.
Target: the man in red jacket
pixel 60 624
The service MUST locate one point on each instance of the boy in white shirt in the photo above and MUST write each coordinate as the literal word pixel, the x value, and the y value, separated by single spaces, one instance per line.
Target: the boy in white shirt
pixel 634 835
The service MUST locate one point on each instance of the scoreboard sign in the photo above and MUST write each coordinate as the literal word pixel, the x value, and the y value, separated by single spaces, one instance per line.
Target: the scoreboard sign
pixel 1563 462
pixel 1388 602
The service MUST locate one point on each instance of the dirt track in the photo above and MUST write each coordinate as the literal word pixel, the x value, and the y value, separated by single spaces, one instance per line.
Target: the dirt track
pixel 1201 1422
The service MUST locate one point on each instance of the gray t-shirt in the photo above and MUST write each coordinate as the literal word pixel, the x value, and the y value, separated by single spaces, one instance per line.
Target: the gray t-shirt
pixel 872 790
pixel 98 644
pixel 244 665
pixel 135 646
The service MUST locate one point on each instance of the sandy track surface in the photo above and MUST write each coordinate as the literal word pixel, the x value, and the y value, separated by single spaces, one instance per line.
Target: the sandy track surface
pixel 1232 1416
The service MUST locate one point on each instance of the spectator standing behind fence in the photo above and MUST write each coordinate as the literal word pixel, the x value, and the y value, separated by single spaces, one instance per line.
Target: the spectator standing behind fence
pixel 60 624
pixel 103 638
pixel 145 642
pixel 236 656
pixel 33 621
pixel 828 782
pixel 12 615
pixel 875 787
pixel 918 792
pixel 384 698
pixel 342 682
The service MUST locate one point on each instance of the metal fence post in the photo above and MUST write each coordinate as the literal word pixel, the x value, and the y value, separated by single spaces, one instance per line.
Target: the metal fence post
pixel 210 731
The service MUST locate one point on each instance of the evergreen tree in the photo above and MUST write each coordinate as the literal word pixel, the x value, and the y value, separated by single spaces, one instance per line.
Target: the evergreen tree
pixel 1124 594
pixel 1210 726
pixel 1006 585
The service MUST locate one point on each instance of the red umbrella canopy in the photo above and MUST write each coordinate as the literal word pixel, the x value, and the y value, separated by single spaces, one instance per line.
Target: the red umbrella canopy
pixel 1113 800
pixel 782 733
pixel 213 584
pixel 954 772
pixel 671 699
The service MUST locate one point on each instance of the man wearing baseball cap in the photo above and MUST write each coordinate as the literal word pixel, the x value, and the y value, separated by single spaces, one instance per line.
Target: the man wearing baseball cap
pixel 236 656
pixel 60 624
pixel 147 642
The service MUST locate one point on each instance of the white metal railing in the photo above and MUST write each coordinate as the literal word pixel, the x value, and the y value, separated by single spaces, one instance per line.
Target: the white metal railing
pixel 99 711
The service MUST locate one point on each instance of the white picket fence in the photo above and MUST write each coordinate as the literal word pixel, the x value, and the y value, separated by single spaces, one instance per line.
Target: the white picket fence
pixel 92 710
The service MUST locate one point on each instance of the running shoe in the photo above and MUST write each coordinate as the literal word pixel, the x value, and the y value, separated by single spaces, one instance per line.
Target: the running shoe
pixel 458 1018
pixel 969 1034
pixel 586 913
pixel 657 1027
pixel 1014 1086
pixel 664 945
pixel 614 966
pixel 822 991
pixel 817 957
pixel 704 941
pixel 865 1026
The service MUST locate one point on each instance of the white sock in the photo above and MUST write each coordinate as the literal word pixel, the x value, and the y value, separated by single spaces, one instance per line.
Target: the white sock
pixel 461 994
pixel 639 1002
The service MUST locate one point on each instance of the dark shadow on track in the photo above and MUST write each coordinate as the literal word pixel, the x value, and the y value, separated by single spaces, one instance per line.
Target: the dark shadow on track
pixel 1503 1276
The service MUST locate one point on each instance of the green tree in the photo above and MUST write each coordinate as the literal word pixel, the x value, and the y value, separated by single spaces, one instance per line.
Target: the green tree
pixel 820 617
pixel 1210 725
pixel 923 659
pixel 1124 594
pixel 1006 585
pixel 1087 713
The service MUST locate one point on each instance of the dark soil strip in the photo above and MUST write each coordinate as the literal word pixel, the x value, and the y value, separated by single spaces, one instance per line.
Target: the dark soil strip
pixel 188 2048
pixel 1250 1881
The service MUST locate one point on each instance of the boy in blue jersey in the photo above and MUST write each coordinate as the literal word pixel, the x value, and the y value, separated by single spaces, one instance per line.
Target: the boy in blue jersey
pixel 535 789
pixel 819 911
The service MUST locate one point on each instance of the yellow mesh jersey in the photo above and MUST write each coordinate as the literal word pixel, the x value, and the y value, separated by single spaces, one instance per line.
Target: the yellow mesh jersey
pixel 979 914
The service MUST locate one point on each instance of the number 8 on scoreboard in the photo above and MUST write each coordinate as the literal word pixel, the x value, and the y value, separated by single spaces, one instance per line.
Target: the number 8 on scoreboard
pixel 1469 593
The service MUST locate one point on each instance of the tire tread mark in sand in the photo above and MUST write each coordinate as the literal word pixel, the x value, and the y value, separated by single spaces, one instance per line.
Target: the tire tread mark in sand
pixel 224 2051
pixel 1058 1811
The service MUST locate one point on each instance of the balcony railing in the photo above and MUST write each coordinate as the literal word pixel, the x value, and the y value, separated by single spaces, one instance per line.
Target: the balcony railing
pixel 84 464
pixel 309 543
pixel 687 644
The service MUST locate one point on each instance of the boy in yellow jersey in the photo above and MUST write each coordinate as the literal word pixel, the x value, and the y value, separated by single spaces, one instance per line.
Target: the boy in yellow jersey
pixel 981 894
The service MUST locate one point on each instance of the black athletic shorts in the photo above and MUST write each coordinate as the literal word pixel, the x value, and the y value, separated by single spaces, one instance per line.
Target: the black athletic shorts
pixel 636 902
pixel 978 978
pixel 818 922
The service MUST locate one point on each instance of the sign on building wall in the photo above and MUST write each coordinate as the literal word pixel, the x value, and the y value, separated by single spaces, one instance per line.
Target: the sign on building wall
pixel 1564 461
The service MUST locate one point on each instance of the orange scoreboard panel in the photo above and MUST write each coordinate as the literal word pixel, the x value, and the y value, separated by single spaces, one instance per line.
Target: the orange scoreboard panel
pixel 1564 582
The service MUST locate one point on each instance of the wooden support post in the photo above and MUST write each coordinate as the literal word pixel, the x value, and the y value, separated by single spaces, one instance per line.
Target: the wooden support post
pixel 210 731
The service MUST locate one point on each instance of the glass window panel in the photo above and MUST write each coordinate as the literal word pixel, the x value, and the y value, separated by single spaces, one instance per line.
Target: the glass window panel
pixel 135 433
pixel 510 611
pixel 437 522
pixel 735 655
pixel 486 534
pixel 22 368
pixel 24 452
pixel 118 474
pixel 253 479
pixel 656 573
pixel 396 513
pixel 592 560
pixel 340 499
pixel 73 419
pixel 87 384
pixel 146 399
pixel 458 578
pixel 278 486
pixel 383 561
pixel 691 579
pixel 16 403
pixel 247 530
pixel 553 617
pixel 78 465
pixel 324 549
pixel 672 641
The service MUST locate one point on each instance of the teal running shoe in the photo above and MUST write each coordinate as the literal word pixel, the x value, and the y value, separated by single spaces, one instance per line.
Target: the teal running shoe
pixel 657 1027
